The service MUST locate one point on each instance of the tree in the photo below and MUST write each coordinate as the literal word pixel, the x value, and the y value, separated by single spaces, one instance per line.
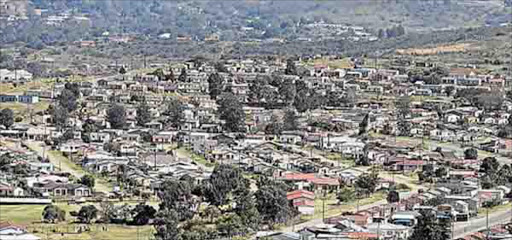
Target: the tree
pixel 6 117
pixel 159 73
pixel 53 214
pixel 275 126
pixel 170 76
pixel 5 159
pixel 224 179
pixel 232 113
pixel 346 194
pixel 256 89
pixel 183 75
pixel 199 232
pixel 290 120
pixel 215 85
pixel 212 212
pixel 393 196
pixel 167 225
pixel 350 97
pixel 449 90
pixel 427 173
pixel 60 116
pixel 490 167
pixel 380 34
pixel 428 227
pixel 175 112
pixel 176 195
pixel 87 213
pixel 122 70
pixel 88 180
pixel 230 226
pixel 220 67
pixel 116 116
pixel 143 114
pixel 363 126
pixel 287 91
pixel 245 206
pixel 400 30
pixel 441 172
pixel 68 99
pixel 403 112
pixel 470 153
pixel 272 204
pixel 366 183
pixel 290 67
pixel 143 213
pixel 302 103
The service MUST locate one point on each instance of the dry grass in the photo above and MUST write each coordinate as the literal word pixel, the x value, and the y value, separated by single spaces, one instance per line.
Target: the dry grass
pixel 451 48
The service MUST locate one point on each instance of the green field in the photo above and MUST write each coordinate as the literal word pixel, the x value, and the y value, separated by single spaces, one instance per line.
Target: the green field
pixel 30 216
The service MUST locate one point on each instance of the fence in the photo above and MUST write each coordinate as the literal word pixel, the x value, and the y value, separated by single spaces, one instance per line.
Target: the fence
pixel 96 231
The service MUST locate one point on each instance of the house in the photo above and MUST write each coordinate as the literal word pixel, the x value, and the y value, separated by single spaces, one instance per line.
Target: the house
pixel 28 99
pixel 164 137
pixel 389 231
pixel 65 190
pixel 102 137
pixel 406 165
pixel 10 231
pixel 290 138
pixel 303 200
pixel 405 218
pixel 15 75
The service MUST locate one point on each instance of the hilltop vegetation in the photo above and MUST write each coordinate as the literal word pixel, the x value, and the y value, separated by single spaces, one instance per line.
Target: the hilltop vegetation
pixel 266 19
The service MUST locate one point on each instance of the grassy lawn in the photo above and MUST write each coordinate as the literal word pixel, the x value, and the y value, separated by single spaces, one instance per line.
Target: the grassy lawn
pixel 30 216
pixel 333 209
pixel 195 157
pixel 483 211
pixel 23 110
pixel 66 164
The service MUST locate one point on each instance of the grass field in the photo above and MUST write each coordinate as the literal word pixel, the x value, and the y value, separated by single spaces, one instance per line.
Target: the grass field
pixel 338 63
pixel 30 216
pixel 333 209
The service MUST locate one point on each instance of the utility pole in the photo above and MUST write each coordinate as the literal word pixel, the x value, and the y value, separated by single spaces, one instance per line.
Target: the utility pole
pixel 378 229
pixel 487 222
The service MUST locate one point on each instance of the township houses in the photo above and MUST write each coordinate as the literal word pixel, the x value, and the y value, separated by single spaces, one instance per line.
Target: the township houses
pixel 312 182
pixel 303 200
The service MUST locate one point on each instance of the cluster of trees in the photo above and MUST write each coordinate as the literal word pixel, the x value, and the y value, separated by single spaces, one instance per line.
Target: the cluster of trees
pixel 139 214
pixel 233 208
pixel 481 98
pixel 429 174
pixel 116 116
pixel 6 117
pixel 495 174
pixel 392 32
pixel 67 103
pixel 230 110
pixel 403 112
pixel 429 227
pixel 428 75
pixel 364 186
pixel 287 123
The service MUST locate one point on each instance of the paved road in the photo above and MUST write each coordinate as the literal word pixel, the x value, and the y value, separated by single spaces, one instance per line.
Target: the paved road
pixel 462 229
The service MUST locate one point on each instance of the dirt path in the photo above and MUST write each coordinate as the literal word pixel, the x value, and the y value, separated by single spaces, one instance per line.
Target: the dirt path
pixel 64 164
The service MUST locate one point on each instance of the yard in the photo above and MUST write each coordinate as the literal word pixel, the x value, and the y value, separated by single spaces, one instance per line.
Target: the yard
pixel 332 208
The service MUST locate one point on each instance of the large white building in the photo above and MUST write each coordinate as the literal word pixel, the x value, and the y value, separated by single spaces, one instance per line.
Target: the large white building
pixel 15 75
